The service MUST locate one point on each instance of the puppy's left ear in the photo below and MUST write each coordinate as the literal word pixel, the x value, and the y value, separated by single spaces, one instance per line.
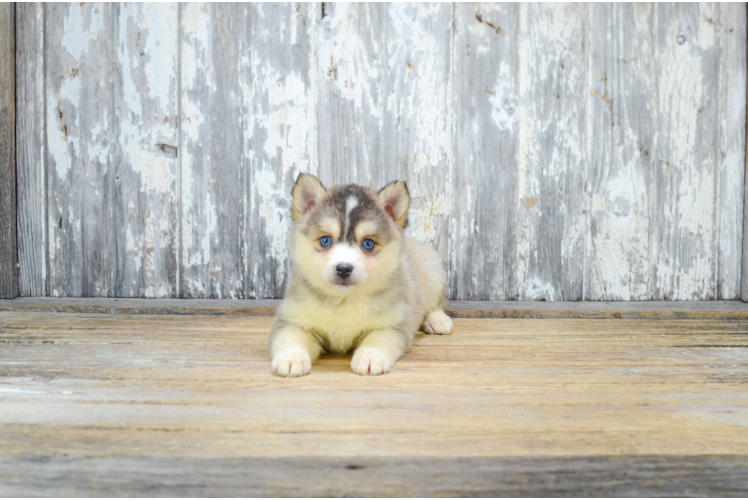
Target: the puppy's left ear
pixel 394 198
pixel 306 194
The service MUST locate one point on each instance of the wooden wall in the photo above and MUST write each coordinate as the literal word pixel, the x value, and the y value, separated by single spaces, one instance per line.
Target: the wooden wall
pixel 8 236
pixel 553 152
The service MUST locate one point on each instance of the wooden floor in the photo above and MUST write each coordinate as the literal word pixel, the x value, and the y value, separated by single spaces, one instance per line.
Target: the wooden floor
pixel 164 405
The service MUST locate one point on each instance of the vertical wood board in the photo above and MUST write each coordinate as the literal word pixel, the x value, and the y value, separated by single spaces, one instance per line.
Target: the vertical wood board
pixel 8 237
pixel 80 126
pixel 144 156
pixel 31 153
pixel 279 129
pixel 552 152
pixel 622 156
pixel 486 111
pixel 213 49
pixel 417 114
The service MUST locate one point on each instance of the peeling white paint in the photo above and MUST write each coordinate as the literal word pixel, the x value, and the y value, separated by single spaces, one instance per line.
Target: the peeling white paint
pixel 196 74
pixel 687 178
pixel 371 86
pixel 81 28
pixel 418 93
pixel 352 78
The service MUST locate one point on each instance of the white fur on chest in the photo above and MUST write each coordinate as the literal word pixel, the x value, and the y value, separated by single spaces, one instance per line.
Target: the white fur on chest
pixel 342 323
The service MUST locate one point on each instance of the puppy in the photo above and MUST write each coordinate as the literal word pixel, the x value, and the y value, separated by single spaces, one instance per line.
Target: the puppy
pixel 357 283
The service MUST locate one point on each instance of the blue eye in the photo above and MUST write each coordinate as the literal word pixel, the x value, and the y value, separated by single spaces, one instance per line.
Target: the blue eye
pixel 325 241
pixel 368 244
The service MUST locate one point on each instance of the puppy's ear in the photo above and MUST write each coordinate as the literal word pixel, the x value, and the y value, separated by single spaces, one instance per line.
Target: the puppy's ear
pixel 306 194
pixel 394 198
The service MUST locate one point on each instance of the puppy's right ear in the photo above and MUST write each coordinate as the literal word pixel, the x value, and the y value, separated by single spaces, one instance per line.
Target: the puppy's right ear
pixel 306 194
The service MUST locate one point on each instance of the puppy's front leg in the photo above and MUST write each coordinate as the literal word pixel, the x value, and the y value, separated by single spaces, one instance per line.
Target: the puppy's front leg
pixel 378 352
pixel 293 350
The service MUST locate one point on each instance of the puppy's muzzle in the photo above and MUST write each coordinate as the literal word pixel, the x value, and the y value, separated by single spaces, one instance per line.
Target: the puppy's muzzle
pixel 343 270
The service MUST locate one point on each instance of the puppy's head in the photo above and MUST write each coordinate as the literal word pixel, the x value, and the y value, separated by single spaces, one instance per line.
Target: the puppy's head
pixel 348 239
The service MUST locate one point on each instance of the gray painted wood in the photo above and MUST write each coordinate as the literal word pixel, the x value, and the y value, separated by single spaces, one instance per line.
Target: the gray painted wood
pixel 214 69
pixel 731 115
pixel 622 132
pixel 553 152
pixel 144 150
pixel 417 114
pixel 279 124
pixel 8 237
pixel 349 72
pixel 111 137
pixel 31 155
pixel 80 131
pixel 551 156
pixel 485 207
pixel 686 168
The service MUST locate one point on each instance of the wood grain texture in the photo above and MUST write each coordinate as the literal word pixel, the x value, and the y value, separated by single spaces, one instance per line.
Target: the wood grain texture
pixel 349 76
pixel 417 114
pixel 279 124
pixel 52 474
pixel 731 114
pixel 186 397
pixel 484 214
pixel 553 152
pixel 551 225
pixel 31 154
pixel 702 310
pixel 80 126
pixel 622 134
pixel 213 46
pixel 8 236
pixel 144 155
pixel 686 168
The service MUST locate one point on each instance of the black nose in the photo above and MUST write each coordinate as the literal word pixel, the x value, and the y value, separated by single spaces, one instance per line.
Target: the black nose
pixel 344 270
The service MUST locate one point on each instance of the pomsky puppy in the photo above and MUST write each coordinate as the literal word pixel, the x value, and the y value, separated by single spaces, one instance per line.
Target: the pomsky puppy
pixel 357 283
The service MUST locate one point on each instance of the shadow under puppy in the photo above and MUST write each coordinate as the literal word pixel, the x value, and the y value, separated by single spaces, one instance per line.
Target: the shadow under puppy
pixel 357 283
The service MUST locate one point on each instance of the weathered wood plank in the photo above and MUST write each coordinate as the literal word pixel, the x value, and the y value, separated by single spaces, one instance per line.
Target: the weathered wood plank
pixel 590 400
pixel 744 267
pixel 486 114
pixel 144 154
pixel 686 169
pixel 214 54
pixel 279 128
pixel 731 116
pixel 80 137
pixel 53 474
pixel 349 73
pixel 30 139
pixel 552 151
pixel 417 114
pixel 702 310
pixel 8 236
pixel 513 137
pixel 621 139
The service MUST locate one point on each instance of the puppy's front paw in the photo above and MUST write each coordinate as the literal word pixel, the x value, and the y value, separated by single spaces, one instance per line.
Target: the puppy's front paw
pixel 292 362
pixel 438 323
pixel 370 361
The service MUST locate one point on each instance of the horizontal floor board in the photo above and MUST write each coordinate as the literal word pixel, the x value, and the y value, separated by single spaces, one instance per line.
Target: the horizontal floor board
pixel 162 405
pixel 622 476
pixel 714 309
